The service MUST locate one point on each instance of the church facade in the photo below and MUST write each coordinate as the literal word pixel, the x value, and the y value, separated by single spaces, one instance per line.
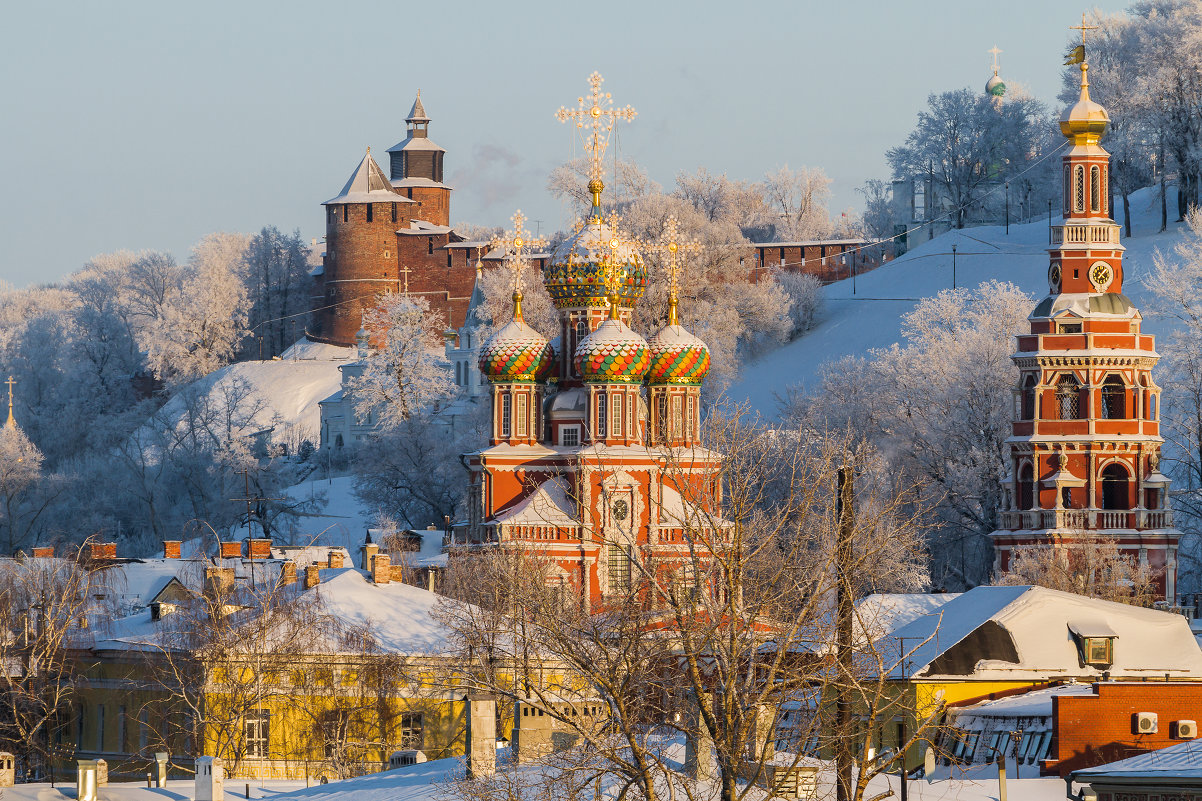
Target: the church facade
pixel 1085 444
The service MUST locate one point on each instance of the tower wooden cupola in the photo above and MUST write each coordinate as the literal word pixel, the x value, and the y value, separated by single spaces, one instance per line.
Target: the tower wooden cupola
pixel 416 167
pixel 1084 454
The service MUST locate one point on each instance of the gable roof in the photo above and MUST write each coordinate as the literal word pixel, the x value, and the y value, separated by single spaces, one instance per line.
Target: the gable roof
pixel 549 505
pixel 1024 633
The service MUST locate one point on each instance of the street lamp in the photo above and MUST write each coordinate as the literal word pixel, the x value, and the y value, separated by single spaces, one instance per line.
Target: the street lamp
pixel 953 266
pixel 1007 208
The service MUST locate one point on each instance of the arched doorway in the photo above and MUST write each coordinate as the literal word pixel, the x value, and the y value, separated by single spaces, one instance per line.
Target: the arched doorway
pixel 1114 487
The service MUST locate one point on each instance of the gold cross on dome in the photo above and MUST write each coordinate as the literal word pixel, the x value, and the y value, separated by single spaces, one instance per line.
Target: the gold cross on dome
pixel 517 242
pixel 672 245
pixel 995 52
pixel 1083 28
pixel 596 110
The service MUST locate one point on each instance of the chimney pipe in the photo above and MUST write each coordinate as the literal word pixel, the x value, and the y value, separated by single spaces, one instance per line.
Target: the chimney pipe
pixel 381 570
pixel 312 576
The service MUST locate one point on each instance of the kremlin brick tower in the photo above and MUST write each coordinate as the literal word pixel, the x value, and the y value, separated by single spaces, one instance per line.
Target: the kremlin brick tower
pixel 594 462
pixel 391 233
pixel 1086 438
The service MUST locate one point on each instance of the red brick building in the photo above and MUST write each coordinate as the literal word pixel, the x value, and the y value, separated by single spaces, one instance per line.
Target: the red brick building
pixel 391 233
pixel 1119 720
pixel 1086 441
pixel 828 260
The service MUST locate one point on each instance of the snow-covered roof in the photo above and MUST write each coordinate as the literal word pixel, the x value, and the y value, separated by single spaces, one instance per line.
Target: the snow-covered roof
pixel 415 143
pixel 367 184
pixel 1177 762
pixel 1023 633
pixel 885 612
pixel 423 228
pixel 403 183
pixel 305 555
pixel 417 112
pixel 401 617
pixel 1033 704
pixel 811 243
pixel 549 505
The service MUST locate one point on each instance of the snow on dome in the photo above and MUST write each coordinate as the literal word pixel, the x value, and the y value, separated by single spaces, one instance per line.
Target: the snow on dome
pixel 575 273
pixel 995 87
pixel 516 353
pixel 613 354
pixel 677 357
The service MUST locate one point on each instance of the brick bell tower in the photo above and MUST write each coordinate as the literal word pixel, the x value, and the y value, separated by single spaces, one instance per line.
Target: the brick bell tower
pixel 1086 438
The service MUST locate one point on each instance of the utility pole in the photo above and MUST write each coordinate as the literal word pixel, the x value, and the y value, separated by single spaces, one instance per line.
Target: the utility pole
pixel 844 631
pixel 953 266
pixel 1007 208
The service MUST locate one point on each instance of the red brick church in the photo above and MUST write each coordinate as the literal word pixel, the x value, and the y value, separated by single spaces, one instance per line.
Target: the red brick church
pixel 594 462
pixel 1086 438
pixel 391 233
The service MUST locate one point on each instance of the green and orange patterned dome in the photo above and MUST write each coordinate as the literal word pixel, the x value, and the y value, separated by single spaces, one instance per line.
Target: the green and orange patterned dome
pixel 677 357
pixel 516 353
pixel 575 275
pixel 613 354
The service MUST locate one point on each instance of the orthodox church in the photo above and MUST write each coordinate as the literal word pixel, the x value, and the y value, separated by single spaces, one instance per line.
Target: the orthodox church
pixel 1086 438
pixel 594 460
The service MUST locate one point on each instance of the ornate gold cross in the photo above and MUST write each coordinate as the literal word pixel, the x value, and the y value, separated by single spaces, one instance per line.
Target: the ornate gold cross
pixel 516 243
pixel 596 110
pixel 673 246
pixel 1083 28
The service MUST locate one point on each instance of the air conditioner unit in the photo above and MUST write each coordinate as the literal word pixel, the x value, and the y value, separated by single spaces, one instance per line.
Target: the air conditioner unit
pixel 1185 729
pixel 1145 722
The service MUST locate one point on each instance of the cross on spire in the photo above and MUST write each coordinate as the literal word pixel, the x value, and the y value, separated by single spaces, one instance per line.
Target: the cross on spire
pixel 671 244
pixel 995 52
pixel 596 110
pixel 1083 28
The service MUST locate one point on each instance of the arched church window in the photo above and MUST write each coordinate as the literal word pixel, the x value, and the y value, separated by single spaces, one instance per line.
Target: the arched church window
pixel 601 409
pixel 1114 398
pixel 1095 188
pixel 1028 398
pixel 506 414
pixel 1068 396
pixel 1079 188
pixel 458 373
pixel 661 417
pixel 1026 487
pixel 1114 487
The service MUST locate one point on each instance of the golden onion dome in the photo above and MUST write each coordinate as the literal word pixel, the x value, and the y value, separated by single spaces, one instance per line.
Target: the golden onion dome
pixel 575 275
pixel 1085 121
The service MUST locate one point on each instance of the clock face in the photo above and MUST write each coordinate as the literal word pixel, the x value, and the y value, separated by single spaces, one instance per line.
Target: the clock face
pixel 1054 278
pixel 620 510
pixel 1100 275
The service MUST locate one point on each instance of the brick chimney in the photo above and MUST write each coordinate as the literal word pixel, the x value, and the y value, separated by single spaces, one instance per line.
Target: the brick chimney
pixel 312 576
pixel 102 551
pixel 334 560
pixel 258 549
pixel 45 552
pixel 172 549
pixel 381 571
pixel 368 550
pixel 287 573
pixel 231 550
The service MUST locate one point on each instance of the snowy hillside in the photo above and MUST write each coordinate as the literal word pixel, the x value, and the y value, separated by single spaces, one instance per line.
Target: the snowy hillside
pixel 854 324
pixel 289 389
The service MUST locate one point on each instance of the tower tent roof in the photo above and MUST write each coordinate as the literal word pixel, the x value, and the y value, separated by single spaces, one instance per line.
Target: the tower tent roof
pixel 368 184
pixel 418 112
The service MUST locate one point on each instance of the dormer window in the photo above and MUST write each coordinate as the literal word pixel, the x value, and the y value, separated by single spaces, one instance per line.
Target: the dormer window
pixel 1095 641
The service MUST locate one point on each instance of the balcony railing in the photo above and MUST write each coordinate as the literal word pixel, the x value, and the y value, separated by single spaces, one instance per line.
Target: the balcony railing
pixel 1089 519
pixel 1085 234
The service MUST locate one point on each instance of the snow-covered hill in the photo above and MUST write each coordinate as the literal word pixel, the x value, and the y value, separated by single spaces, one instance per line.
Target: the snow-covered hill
pixel 289 389
pixel 852 324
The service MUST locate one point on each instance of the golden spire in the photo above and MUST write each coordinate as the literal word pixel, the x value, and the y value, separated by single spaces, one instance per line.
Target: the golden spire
pixel 597 111
pixel 1085 121
pixel 12 421
pixel 516 242
pixel 671 245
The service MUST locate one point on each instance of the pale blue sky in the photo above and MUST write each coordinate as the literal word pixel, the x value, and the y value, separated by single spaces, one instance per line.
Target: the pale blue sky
pixel 149 124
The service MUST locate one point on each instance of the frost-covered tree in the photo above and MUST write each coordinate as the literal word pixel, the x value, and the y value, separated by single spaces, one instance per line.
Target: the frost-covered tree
pixel 406 373
pixel 804 292
pixel 204 317
pixel 878 209
pixel 277 281
pixel 1093 568
pixel 967 145
pixel 798 198
pixel 22 498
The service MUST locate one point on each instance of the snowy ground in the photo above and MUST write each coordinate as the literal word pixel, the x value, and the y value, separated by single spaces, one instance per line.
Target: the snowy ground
pixel 854 324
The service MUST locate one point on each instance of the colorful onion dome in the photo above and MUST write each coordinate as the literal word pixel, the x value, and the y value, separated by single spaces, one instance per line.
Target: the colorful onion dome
pixel 576 272
pixel 677 357
pixel 516 352
pixel 613 354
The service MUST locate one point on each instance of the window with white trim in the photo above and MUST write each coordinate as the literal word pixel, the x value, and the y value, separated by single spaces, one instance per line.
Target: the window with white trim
pixel 569 436
pixel 257 731
pixel 521 427
pixel 617 415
